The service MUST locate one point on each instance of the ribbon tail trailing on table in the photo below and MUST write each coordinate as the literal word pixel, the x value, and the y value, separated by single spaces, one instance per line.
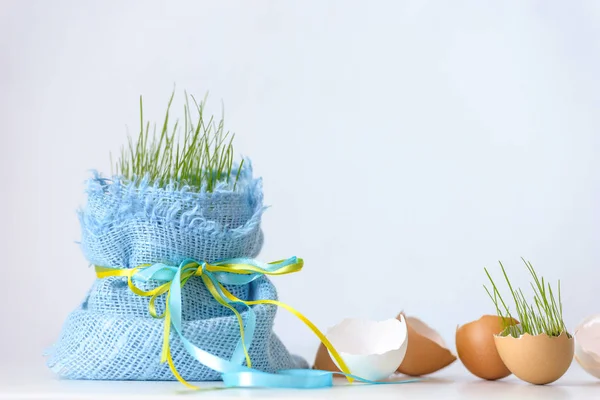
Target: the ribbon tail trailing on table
pixel 233 271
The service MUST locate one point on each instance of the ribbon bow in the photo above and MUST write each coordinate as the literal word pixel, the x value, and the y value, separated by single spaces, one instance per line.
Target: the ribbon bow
pixel 234 271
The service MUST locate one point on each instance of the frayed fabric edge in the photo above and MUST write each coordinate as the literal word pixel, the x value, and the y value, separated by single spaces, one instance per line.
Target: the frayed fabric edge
pixel 176 204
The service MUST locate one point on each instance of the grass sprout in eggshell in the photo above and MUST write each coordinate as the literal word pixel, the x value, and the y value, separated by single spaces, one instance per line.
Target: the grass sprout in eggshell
pixel 539 350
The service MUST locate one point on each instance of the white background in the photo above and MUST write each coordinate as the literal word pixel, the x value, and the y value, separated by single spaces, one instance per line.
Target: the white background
pixel 404 146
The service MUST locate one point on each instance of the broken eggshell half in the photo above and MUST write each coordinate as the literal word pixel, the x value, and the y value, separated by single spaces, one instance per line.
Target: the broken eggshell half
pixel 476 347
pixel 587 345
pixel 371 349
pixel 426 352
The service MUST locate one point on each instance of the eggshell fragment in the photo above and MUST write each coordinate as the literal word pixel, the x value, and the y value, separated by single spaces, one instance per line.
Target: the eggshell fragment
pixel 587 345
pixel 426 352
pixel 371 349
pixel 476 348
pixel 536 359
pixel 323 361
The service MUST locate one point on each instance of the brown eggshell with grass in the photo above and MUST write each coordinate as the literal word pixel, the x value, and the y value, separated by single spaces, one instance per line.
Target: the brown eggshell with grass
pixel 426 352
pixel 477 350
pixel 539 359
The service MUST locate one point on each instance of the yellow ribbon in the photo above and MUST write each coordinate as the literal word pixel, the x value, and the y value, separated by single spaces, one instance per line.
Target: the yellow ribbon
pixel 195 269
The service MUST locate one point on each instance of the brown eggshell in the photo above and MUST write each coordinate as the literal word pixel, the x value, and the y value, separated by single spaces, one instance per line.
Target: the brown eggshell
pixel 536 359
pixel 323 360
pixel 426 352
pixel 476 348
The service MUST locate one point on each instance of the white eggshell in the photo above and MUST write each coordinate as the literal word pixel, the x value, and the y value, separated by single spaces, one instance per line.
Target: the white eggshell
pixel 587 345
pixel 372 350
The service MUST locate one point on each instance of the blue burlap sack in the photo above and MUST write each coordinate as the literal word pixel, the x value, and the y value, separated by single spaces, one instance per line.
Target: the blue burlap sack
pixel 111 335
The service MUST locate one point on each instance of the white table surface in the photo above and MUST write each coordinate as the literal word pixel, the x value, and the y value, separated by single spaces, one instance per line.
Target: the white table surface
pixel 454 382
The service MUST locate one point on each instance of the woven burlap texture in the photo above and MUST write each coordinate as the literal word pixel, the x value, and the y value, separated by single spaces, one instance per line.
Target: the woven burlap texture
pixel 125 223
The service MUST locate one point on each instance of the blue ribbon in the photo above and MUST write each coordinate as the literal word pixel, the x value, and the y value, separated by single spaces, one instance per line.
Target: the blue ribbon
pixel 233 373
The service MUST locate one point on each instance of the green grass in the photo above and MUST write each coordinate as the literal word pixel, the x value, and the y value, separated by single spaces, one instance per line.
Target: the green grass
pixel 542 315
pixel 201 156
